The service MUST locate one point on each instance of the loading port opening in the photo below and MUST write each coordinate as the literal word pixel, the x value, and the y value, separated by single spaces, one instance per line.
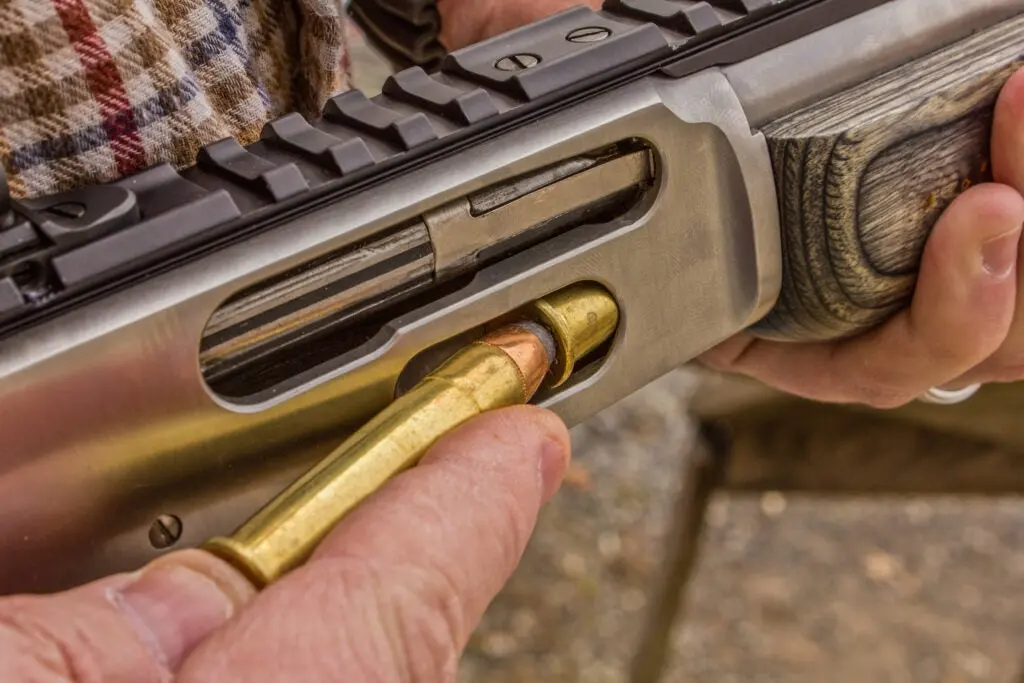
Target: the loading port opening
pixel 284 332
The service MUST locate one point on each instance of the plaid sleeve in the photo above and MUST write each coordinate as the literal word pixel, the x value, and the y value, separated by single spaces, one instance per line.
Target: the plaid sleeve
pixel 92 90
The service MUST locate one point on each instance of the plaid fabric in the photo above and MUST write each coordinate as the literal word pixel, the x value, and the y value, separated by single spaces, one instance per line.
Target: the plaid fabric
pixel 91 90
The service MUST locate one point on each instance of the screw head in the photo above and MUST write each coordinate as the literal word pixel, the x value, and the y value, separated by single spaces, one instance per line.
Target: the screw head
pixel 165 531
pixel 517 62
pixel 590 34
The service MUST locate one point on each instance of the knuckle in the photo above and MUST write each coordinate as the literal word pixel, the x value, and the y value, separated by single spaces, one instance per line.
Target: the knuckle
pixel 883 396
pixel 432 629
pixel 1012 371
pixel 514 526
pixel 417 612
pixel 955 351
pixel 1007 365
pixel 40 654
pixel 728 356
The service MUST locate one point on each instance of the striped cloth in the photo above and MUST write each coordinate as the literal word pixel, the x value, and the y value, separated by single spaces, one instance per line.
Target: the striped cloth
pixel 92 90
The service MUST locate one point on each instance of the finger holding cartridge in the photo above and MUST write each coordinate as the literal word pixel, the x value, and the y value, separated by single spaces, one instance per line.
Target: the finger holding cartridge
pixel 504 368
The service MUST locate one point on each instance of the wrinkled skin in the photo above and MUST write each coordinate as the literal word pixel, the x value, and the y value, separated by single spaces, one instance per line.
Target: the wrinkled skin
pixel 396 589
pixel 391 595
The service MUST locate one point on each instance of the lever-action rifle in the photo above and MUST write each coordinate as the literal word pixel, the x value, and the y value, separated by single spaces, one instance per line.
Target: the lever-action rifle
pixel 176 347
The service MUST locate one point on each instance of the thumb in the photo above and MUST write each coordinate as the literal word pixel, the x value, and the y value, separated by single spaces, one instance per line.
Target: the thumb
pixel 135 628
pixel 395 591
pixel 464 22
pixel 961 312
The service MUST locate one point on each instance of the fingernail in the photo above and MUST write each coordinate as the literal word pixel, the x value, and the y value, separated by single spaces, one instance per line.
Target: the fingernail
pixel 1000 254
pixel 554 460
pixel 174 608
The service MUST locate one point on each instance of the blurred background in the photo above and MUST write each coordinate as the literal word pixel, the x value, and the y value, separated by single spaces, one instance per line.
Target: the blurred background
pixel 788 588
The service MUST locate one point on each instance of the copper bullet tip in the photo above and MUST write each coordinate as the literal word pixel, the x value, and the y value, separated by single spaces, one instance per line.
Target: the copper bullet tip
pixel 530 347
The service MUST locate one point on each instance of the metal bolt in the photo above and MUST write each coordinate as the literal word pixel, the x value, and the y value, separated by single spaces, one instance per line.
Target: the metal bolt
pixel 590 34
pixel 165 531
pixel 517 62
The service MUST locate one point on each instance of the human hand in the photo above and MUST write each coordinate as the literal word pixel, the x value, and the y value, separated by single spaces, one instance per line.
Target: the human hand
pixel 392 594
pixel 464 22
pixel 966 322
pixel 964 326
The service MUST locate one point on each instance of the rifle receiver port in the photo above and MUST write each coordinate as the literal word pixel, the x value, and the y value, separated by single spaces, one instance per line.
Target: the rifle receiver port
pixel 272 333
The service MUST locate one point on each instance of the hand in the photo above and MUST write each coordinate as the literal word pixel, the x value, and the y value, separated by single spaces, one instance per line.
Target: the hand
pixel 964 326
pixel 966 322
pixel 464 22
pixel 392 594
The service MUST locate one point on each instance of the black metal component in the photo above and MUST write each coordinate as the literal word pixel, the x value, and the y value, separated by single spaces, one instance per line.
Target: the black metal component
pixel 16 239
pixel 10 296
pixel 406 31
pixel 801 19
pixel 560 62
pixel 414 86
pixel 231 160
pixel 83 215
pixel 161 188
pixel 144 242
pixel 354 109
pixel 692 18
pixel 742 6
pixel 294 134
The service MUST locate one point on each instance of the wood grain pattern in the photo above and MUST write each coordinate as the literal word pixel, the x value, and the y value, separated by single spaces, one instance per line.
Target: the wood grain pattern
pixel 863 176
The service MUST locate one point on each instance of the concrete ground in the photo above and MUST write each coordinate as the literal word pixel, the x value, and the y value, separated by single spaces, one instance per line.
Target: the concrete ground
pixel 789 589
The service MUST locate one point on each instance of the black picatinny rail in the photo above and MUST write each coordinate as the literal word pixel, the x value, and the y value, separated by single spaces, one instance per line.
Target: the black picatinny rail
pixel 57 252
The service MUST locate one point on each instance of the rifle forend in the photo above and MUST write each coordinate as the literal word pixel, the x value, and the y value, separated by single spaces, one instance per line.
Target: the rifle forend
pixel 864 175
pixel 185 342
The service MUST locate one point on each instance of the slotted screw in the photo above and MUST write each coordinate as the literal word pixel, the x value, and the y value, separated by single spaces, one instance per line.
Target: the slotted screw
pixel 165 531
pixel 590 34
pixel 517 62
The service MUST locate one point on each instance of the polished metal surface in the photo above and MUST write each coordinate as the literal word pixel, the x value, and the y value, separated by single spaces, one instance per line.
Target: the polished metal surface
pixel 491 198
pixel 582 318
pixel 838 57
pixel 106 420
pixel 261 318
pixel 312 279
pixel 459 233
